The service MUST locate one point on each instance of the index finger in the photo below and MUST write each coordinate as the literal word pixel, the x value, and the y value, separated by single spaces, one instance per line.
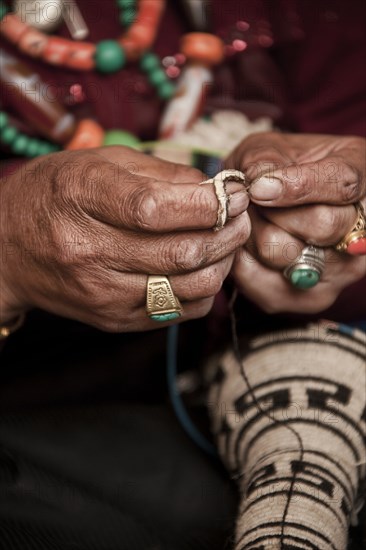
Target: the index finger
pixel 114 196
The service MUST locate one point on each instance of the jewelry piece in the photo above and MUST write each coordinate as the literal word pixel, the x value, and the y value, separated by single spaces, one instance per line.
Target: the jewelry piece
pixel 354 242
pixel 161 302
pixel 107 55
pixel 219 182
pixel 7 329
pixel 308 268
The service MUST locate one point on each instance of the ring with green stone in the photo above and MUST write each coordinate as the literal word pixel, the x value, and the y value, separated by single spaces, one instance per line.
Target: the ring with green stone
pixel 308 268
pixel 161 303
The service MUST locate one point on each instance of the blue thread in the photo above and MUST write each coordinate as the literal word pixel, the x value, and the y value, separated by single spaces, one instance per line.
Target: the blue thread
pixel 175 397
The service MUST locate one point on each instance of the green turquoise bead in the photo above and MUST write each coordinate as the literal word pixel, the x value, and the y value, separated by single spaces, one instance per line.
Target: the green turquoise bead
pixel 165 317
pixel 119 137
pixel 166 90
pixel 157 77
pixel 127 17
pixel 149 62
pixel 20 144
pixel 9 134
pixel 304 278
pixel 45 148
pixel 109 56
pixel 3 120
pixel 32 149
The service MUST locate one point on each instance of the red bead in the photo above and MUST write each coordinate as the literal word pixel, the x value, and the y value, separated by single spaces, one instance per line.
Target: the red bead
pixel 173 71
pixel 76 93
pixel 242 26
pixel 357 247
pixel 180 58
pixel 239 45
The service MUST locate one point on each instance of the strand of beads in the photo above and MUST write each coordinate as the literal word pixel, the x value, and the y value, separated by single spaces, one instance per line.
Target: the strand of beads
pixel 107 56
pixel 20 143
pixel 151 65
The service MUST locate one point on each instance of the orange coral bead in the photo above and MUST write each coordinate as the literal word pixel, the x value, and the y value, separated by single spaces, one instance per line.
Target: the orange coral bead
pixel 76 55
pixel 143 35
pixel 203 47
pixel 131 48
pixel 33 42
pixel 12 27
pixel 88 134
pixel 57 50
pixel 150 12
pixel 81 56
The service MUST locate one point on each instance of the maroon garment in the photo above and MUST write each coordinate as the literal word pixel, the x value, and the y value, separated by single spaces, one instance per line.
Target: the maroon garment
pixel 318 47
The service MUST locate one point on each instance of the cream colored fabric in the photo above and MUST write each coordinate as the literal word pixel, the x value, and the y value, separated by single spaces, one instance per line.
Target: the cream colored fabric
pixel 296 445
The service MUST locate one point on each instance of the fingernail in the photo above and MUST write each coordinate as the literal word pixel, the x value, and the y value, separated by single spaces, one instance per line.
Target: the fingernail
pixel 238 203
pixel 266 188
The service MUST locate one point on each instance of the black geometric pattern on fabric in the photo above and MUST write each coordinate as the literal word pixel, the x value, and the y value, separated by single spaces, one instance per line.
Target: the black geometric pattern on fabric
pixel 307 387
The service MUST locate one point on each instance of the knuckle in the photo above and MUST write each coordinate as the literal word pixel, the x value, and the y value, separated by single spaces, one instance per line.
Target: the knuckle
pixel 63 245
pixel 91 289
pixel 326 221
pixel 352 184
pixel 297 188
pixel 209 282
pixel 200 201
pixel 143 207
pixel 183 255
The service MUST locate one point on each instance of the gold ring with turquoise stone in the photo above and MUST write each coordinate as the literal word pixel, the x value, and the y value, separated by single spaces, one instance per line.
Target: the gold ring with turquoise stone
pixel 308 268
pixel 161 303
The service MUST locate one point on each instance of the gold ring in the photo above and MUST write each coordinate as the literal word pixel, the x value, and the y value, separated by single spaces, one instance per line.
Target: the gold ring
pixel 354 242
pixel 161 302
pixel 219 183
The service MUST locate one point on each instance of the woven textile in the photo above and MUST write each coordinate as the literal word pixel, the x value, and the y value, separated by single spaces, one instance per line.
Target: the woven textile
pixel 294 438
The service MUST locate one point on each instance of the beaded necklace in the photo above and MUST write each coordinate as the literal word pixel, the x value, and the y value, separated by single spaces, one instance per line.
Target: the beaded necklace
pixel 201 51
pixel 107 56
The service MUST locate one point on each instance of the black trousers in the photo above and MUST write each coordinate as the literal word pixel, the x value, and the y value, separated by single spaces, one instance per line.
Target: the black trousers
pixel 91 454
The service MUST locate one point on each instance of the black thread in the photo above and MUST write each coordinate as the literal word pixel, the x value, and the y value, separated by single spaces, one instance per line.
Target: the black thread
pixel 238 357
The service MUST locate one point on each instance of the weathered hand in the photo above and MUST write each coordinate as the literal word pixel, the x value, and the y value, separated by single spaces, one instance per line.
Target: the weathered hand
pixel 82 230
pixel 303 190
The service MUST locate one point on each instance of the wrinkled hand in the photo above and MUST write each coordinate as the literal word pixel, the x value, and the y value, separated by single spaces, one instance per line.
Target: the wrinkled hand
pixel 82 230
pixel 303 188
